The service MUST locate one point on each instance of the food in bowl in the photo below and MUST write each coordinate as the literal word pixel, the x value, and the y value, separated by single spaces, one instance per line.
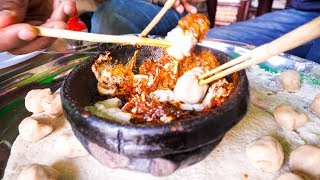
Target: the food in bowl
pixel 190 30
pixel 164 147
pixel 159 90
pixel 163 144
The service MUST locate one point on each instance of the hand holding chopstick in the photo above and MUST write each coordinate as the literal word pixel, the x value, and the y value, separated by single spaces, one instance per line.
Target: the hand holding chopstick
pixel 157 18
pixel 293 39
pixel 83 36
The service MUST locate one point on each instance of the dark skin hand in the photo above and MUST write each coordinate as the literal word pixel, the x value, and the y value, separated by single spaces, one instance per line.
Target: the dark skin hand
pixel 17 18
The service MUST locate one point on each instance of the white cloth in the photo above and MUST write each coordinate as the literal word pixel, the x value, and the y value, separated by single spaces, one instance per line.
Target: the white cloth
pixel 227 161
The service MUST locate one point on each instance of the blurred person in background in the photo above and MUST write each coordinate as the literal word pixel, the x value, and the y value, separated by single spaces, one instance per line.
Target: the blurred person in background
pixel 132 16
pixel 125 17
pixel 265 28
pixel 112 17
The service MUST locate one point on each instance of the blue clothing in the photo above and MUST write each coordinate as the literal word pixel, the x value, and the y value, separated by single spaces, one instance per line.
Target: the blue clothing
pixel 268 27
pixel 132 16
pixel 305 5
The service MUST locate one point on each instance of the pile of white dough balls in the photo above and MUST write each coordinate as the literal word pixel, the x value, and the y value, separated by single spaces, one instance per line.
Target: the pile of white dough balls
pixel 182 43
pixel 306 159
pixel 290 80
pixel 45 106
pixel 38 172
pixel 188 90
pixel 288 118
pixel 315 105
pixel 265 154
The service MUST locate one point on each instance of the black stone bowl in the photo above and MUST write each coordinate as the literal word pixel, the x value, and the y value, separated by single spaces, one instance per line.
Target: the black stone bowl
pixel 157 149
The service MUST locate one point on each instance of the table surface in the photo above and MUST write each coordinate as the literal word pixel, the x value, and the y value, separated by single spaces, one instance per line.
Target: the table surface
pixel 48 71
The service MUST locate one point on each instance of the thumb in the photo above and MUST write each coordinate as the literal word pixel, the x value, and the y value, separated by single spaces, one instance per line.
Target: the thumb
pixel 12 11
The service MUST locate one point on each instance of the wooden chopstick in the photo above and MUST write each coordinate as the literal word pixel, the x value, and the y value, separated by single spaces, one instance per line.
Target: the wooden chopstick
pixel 157 18
pixel 291 40
pixel 91 37
pixel 225 66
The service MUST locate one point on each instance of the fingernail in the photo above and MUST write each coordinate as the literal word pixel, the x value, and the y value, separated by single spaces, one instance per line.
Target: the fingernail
pixel 27 34
pixel 68 9
pixel 194 10
pixel 180 9
pixel 6 13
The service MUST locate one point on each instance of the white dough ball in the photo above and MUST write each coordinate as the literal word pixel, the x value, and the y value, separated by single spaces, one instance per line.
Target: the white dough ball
pixel 33 99
pixel 52 105
pixel 306 159
pixel 67 145
pixel 287 117
pixel 38 172
pixel 265 154
pixel 290 80
pixel 290 176
pixel 188 90
pixel 315 105
pixel 32 130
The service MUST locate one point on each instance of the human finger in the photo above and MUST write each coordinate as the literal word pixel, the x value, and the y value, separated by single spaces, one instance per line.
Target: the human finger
pixel 16 35
pixel 40 42
pixel 188 7
pixel 178 7
pixel 62 10
pixel 37 44
pixel 12 11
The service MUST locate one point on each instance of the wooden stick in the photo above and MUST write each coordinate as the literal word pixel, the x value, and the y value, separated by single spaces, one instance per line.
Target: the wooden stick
pixel 91 37
pixel 157 18
pixel 226 65
pixel 293 39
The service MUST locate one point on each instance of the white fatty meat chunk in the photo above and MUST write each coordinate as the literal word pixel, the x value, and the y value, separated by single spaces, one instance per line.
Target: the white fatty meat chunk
pixel 188 90
pixel 110 103
pixel 182 43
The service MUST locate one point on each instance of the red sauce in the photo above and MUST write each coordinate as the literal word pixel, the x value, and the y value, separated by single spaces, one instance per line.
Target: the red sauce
pixel 145 110
pixel 196 24
pixel 164 74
